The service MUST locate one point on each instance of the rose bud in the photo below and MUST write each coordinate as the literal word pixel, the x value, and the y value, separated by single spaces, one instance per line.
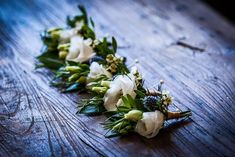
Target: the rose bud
pixel 134 115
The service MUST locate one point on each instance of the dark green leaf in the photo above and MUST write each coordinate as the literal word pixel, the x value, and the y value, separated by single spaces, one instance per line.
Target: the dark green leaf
pixel 92 109
pixel 71 21
pixel 92 22
pixel 114 44
pixel 125 102
pixel 87 32
pixel 50 60
pixel 110 113
pixel 123 109
pixel 140 93
pixel 131 100
pixel 84 13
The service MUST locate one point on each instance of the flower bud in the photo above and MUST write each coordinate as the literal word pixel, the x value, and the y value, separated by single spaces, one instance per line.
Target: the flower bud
pixel 63 54
pixel 54 29
pixel 134 115
pixel 73 77
pixel 55 34
pixel 73 69
pixel 64 47
pixel 82 79
pixel 105 83
pixel 99 89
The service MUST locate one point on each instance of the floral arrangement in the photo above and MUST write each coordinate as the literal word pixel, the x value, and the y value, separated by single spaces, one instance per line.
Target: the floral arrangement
pixel 81 62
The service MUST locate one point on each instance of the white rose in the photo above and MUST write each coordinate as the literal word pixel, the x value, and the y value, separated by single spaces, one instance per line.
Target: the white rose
pixel 150 124
pixel 120 86
pixel 80 49
pixel 97 70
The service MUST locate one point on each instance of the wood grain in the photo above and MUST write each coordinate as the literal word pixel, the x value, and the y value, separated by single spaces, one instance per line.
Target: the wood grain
pixel 37 120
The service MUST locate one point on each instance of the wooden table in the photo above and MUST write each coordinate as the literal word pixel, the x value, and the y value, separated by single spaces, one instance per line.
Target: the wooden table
pixel 185 43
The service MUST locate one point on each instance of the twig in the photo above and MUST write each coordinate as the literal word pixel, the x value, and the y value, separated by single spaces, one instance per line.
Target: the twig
pixel 190 46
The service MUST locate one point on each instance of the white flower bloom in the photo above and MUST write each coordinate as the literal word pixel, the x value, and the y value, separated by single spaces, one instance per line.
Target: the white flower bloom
pixel 97 70
pixel 80 50
pixel 120 86
pixel 67 34
pixel 150 124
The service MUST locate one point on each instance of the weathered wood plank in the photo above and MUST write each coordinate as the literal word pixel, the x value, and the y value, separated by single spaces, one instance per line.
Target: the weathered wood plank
pixel 35 119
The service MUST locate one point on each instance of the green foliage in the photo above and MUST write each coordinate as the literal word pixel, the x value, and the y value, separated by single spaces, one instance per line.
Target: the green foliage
pixel 114 44
pixel 103 48
pixel 71 77
pixel 71 21
pixel 92 22
pixel 93 106
pixel 87 32
pixel 50 60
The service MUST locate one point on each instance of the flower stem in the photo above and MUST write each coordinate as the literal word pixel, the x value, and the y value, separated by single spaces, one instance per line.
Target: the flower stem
pixel 176 115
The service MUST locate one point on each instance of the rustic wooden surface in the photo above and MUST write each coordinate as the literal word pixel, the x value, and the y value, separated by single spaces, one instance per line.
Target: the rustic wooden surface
pixel 37 120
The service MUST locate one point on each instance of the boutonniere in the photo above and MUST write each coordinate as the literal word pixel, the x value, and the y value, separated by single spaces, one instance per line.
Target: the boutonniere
pixel 145 114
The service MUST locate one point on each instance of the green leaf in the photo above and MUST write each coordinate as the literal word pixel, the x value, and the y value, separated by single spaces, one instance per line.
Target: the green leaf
pixel 110 113
pixel 114 44
pixel 102 49
pixel 140 93
pixel 71 21
pixel 87 32
pixel 124 109
pixel 50 60
pixel 131 100
pixel 92 22
pixel 92 109
pixel 125 102
pixel 84 13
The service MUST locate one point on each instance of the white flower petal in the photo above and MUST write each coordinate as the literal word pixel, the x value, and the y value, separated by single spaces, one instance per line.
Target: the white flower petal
pixel 120 86
pixel 150 124
pixel 97 70
pixel 112 97
pixel 79 51
pixel 88 41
